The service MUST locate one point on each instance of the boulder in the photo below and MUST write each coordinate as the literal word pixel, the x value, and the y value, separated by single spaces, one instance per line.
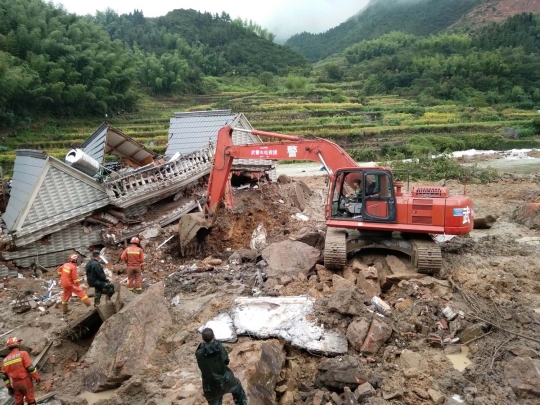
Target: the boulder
pixel 151 233
pixel 349 274
pixel 528 215
pixel 340 372
pixel 323 273
pixel 436 396
pixel 124 344
pixel 340 283
pixel 485 222
pixel 258 364
pixel 310 236
pixel 349 300
pixel 357 332
pixel 288 258
pixel 378 333
pixel 523 375
pixel 396 265
pixel 364 392
pixel 371 287
pixel 472 332
pixel 412 360
pixel 284 179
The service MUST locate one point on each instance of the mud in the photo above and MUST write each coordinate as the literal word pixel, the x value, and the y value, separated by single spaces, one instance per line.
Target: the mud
pixel 491 278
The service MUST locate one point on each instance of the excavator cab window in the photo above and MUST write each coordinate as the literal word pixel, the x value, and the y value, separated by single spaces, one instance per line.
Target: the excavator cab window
pixel 366 195
pixel 378 196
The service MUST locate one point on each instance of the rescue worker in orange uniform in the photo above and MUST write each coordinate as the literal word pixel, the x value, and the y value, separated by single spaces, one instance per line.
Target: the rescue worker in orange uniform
pixel 134 258
pixel 17 372
pixel 69 279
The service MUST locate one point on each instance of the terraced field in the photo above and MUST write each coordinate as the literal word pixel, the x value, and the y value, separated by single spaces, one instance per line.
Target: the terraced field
pixel 376 127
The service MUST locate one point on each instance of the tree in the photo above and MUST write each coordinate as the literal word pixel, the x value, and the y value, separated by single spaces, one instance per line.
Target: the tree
pixel 266 78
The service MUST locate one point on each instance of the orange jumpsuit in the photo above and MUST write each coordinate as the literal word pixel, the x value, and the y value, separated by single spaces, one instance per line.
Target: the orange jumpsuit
pixel 69 279
pixel 18 367
pixel 134 258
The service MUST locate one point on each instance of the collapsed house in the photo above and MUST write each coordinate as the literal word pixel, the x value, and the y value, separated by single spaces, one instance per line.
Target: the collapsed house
pixel 57 207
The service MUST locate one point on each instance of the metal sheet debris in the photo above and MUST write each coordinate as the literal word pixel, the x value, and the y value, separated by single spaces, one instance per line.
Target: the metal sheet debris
pixel 289 318
pixel 223 328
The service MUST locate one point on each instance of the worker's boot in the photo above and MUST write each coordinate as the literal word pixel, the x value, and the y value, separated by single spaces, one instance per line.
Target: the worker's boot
pixel 87 303
pixel 65 309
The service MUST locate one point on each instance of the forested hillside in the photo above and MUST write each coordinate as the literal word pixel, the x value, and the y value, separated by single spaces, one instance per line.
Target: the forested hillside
pixel 418 17
pixel 52 62
pixel 499 65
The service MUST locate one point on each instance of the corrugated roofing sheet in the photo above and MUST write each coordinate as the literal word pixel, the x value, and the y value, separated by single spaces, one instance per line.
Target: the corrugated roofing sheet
pixel 191 131
pixel 107 139
pixel 28 167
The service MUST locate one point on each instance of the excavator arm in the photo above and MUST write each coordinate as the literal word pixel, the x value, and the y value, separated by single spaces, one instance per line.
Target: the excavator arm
pixel 194 227
pixel 330 155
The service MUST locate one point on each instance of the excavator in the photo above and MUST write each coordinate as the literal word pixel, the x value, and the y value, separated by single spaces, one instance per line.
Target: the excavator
pixel 366 206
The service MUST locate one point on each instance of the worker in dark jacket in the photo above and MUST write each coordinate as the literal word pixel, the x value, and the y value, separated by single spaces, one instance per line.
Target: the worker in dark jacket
pixel 96 278
pixel 217 378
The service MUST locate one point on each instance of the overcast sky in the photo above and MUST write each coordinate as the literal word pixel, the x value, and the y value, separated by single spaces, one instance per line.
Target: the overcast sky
pixel 281 17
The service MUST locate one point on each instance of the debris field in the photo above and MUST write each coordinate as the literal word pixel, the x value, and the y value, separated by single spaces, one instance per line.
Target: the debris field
pixel 297 333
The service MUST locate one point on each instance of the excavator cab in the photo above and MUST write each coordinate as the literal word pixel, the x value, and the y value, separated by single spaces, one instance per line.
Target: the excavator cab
pixel 363 194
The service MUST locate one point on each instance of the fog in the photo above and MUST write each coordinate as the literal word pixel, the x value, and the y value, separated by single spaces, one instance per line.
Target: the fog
pixel 281 17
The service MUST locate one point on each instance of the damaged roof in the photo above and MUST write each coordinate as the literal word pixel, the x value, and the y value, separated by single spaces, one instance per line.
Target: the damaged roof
pixel 46 191
pixel 108 139
pixel 190 131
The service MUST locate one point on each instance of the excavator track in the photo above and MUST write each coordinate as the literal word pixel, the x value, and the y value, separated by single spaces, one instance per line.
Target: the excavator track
pixel 426 255
pixel 335 248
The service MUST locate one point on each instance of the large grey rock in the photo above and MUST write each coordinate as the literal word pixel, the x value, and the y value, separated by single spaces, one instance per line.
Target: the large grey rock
pixel 310 236
pixel 348 300
pixel 258 364
pixel 528 215
pixel 288 258
pixel 378 333
pixel 125 342
pixel 523 375
pixel 357 332
pixel 340 372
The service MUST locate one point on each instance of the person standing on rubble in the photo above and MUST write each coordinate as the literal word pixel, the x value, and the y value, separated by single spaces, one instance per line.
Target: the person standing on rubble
pixel 217 377
pixel 133 256
pixel 96 278
pixel 69 279
pixel 17 373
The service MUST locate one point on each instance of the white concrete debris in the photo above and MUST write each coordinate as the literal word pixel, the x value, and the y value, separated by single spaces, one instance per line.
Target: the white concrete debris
pixel 285 318
pixel 223 328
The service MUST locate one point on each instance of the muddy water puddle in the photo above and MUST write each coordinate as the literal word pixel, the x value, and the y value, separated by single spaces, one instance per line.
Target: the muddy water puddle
pixel 460 361
pixel 93 397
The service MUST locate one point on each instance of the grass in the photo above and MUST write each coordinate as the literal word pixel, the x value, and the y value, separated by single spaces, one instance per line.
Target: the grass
pixel 370 128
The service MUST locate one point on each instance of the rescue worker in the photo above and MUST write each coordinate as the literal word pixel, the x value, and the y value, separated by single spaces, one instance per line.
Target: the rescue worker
pixel 69 279
pixel 217 377
pixel 133 256
pixel 17 372
pixel 96 278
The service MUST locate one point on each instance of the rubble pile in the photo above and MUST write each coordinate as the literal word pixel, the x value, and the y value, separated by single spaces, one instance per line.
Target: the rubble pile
pixel 297 333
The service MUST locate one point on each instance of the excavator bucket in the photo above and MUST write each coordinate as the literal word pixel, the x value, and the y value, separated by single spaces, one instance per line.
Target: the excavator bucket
pixel 192 230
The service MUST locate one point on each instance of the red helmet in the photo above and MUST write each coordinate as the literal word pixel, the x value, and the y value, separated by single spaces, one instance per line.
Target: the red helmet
pixel 73 258
pixel 13 342
pixel 135 240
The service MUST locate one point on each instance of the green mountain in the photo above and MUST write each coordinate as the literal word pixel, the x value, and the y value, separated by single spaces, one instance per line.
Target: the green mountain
pixel 418 17
pixel 56 63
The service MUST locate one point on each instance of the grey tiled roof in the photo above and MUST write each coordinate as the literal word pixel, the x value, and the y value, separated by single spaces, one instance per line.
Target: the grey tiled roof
pixel 62 193
pixel 28 167
pixel 74 235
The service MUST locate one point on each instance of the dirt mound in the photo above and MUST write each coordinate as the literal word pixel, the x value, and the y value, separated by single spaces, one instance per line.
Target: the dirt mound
pixel 273 205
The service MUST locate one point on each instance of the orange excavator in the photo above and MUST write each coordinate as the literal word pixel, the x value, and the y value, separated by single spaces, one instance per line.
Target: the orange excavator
pixel 366 206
